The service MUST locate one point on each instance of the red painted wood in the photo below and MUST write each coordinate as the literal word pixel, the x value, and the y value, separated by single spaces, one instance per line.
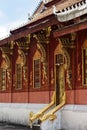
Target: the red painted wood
pixel 71 29
pixel 20 97
pixel 5 97
pixel 39 97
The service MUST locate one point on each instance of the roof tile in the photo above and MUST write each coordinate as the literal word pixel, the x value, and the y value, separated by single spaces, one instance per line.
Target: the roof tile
pixel 60 6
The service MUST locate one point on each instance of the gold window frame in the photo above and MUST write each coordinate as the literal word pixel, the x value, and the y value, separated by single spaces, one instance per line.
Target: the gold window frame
pixel 37 56
pixel 5 65
pixel 3 79
pixel 20 62
pixel 84 66
pixel 18 77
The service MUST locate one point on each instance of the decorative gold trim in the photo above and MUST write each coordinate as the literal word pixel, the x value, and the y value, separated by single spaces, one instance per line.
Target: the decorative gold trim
pixel 20 62
pixel 79 72
pixel 84 47
pixel 65 65
pixel 38 115
pixel 43 52
pixel 68 41
pixel 83 75
pixel 21 59
pixel 12 43
pixel 31 78
pixel 44 73
pixel 18 77
pixel 52 76
pixel 43 35
pixel 61 50
pixel 5 72
pixel 44 64
pixel 25 76
pixel 51 114
pixel 28 38
pixel 84 44
pixel 37 56
pixel 68 79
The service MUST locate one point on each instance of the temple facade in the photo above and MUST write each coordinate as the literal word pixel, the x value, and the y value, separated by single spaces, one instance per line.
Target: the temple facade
pixel 45 62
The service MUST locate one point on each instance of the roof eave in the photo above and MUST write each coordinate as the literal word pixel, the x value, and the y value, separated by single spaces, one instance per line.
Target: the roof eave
pixel 82 25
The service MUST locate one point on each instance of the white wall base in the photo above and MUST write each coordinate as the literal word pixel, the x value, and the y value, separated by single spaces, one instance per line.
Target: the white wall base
pixel 70 117
pixel 52 125
pixel 18 113
pixel 74 117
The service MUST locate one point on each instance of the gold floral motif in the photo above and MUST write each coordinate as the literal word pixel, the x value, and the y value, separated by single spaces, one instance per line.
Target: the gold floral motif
pixel 44 74
pixel 84 46
pixel 21 59
pixel 8 78
pixel 19 71
pixel 52 76
pixel 14 80
pixel 37 58
pixel 68 79
pixel 5 62
pixel 4 71
pixel 25 81
pixel 43 52
pixel 79 72
pixel 43 35
pixel 31 78
pixel 12 44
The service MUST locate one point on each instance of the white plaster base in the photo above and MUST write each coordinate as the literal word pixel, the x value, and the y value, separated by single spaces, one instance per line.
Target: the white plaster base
pixel 52 125
pixel 18 113
pixel 74 117
pixel 70 117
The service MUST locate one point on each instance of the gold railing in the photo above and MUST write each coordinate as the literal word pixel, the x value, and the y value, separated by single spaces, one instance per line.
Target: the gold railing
pixel 51 114
pixel 38 115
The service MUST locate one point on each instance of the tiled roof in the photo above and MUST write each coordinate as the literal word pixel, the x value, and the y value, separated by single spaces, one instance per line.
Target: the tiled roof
pixel 66 3
pixel 49 11
pixel 71 12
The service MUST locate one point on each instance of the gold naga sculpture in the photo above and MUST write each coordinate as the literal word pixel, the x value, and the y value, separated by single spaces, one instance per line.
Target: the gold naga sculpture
pixel 41 112
pixel 42 115
pixel 51 114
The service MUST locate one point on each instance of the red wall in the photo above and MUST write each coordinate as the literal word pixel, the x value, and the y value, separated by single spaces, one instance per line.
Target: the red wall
pixel 26 97
pixel 70 97
pixel 78 95
pixel 81 96
pixel 5 97
pixel 39 97
pixel 21 97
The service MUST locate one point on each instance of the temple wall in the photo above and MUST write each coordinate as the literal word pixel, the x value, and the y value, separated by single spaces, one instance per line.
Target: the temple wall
pixel 70 97
pixel 76 96
pixel 81 97
pixel 5 97
pixel 39 97
pixel 26 97
pixel 21 97
pixel 43 94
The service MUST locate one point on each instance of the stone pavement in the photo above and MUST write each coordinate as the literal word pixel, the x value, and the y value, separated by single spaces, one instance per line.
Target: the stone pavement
pixel 5 126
